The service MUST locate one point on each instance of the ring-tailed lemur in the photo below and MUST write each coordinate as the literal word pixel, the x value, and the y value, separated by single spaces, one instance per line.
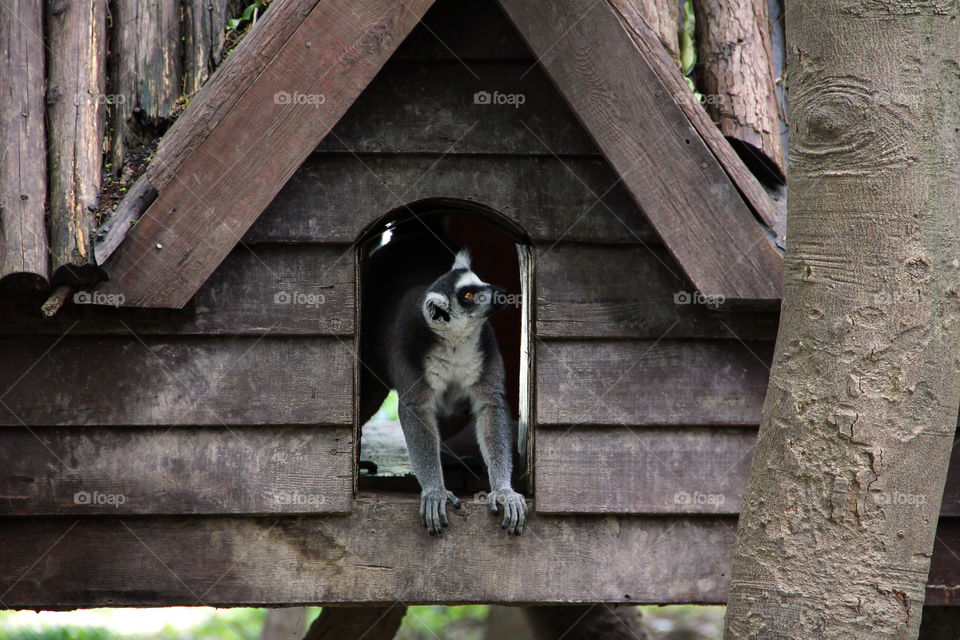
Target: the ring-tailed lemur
pixel 446 368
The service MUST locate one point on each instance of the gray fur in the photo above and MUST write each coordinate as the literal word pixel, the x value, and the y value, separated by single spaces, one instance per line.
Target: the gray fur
pixel 447 370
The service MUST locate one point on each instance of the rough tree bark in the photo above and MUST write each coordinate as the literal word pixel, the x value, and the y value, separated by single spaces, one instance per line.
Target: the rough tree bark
pixel 735 75
pixel 23 185
pixel 839 516
pixel 76 78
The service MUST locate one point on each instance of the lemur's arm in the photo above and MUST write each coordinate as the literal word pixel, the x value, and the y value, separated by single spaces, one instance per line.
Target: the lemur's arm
pixel 494 434
pixel 423 445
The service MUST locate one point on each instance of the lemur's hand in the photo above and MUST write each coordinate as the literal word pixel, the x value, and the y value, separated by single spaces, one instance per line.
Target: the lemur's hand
pixel 514 509
pixel 433 508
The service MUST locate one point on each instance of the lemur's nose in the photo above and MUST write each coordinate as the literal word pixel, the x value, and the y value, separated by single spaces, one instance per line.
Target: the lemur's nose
pixel 498 298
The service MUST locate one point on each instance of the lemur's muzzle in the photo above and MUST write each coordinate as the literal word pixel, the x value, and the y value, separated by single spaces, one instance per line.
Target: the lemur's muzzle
pixel 494 299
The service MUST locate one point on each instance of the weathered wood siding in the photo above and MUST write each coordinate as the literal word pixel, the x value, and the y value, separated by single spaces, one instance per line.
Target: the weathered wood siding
pixel 242 404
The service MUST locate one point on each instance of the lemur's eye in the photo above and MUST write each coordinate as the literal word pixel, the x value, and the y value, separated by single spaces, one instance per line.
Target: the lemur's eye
pixel 468 296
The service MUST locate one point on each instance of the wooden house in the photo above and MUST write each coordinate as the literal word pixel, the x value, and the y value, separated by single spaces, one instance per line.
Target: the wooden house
pixel 191 437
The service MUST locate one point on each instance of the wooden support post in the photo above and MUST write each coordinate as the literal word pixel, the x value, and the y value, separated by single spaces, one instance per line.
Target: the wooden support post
pixel 76 79
pixel 354 623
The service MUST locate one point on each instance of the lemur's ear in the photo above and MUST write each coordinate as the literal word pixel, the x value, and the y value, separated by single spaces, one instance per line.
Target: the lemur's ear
pixel 462 261
pixel 436 308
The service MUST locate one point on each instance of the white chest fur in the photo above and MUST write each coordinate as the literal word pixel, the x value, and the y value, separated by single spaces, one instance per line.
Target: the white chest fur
pixel 454 364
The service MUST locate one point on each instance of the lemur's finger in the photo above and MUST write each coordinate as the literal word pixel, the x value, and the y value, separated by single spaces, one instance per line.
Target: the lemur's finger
pixel 443 513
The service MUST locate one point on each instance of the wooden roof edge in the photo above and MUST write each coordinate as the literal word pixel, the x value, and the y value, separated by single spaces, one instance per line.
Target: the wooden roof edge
pixel 627 98
pixel 750 188
pixel 217 173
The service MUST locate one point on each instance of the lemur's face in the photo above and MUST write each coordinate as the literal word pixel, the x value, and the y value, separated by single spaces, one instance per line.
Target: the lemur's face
pixel 459 301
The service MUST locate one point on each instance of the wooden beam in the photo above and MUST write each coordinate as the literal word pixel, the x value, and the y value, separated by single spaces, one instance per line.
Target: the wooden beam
pixel 378 554
pixel 666 166
pixel 233 173
pixel 23 151
pixel 193 470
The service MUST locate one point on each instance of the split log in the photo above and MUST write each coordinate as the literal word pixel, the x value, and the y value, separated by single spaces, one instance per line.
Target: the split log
pixel 203 37
pixel 146 73
pixel 735 74
pixel 76 40
pixel 353 623
pixel 23 182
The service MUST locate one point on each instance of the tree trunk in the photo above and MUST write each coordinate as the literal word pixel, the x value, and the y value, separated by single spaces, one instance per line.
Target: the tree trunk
pixel 76 79
pixel 23 186
pixel 737 81
pixel 839 516
pixel 586 622
pixel 356 623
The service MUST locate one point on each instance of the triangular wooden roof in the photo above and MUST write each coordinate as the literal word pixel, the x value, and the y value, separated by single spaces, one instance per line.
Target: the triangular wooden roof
pixel 201 194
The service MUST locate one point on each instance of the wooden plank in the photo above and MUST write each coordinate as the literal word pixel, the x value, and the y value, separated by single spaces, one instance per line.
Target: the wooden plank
pixel 585 469
pixel 642 470
pixel 467 31
pixel 259 289
pixel 651 382
pixel 335 197
pixel 198 470
pixel 666 69
pixel 380 553
pixel 117 381
pixel 236 170
pixel 649 297
pixel 647 139
pixel 76 36
pixel 438 107
pixel 23 171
